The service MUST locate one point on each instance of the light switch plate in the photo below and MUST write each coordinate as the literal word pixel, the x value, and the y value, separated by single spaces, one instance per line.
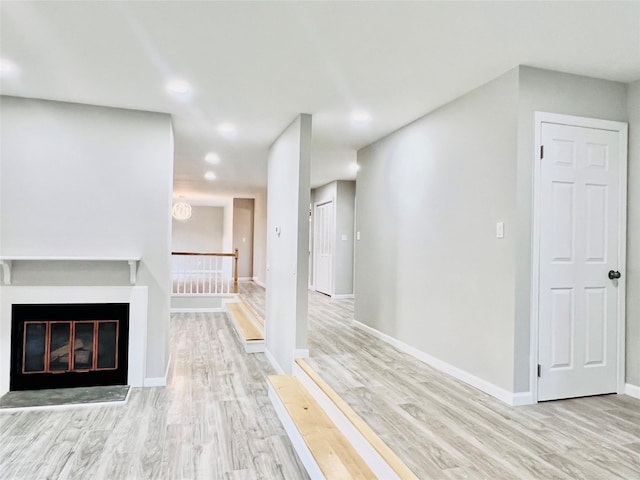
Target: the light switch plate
pixel 500 230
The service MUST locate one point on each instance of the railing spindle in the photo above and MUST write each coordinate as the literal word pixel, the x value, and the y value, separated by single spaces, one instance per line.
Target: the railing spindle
pixel 204 273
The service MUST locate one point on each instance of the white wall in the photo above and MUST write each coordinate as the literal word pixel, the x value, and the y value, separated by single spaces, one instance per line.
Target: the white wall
pixel 547 91
pixel 202 233
pixel 429 269
pixel 78 180
pixel 633 239
pixel 288 242
pixel 345 237
pixel 260 238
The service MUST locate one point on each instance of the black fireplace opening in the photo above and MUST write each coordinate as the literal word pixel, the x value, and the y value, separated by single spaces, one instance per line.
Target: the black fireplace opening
pixel 69 345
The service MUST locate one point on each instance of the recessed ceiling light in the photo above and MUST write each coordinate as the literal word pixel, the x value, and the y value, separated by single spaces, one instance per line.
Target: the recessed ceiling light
pixel 178 87
pixel 360 117
pixel 8 68
pixel 227 128
pixel 210 176
pixel 354 167
pixel 212 158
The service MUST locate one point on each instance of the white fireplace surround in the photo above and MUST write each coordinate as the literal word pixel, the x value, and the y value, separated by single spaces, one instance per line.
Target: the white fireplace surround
pixel 137 297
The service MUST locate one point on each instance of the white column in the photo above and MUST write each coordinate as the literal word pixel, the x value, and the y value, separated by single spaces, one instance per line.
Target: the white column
pixel 288 192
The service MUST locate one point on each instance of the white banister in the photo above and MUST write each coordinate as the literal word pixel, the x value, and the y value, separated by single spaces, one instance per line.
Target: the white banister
pixel 204 273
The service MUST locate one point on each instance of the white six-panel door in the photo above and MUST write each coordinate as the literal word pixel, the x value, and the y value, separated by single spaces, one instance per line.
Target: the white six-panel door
pixel 323 246
pixel 579 219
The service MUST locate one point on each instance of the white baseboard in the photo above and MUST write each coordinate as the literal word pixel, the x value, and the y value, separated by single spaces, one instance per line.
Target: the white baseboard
pixel 155 381
pixel 305 455
pixel 245 279
pixel 632 390
pixel 159 381
pixel 274 363
pixel 521 398
pixel 300 353
pixel 254 346
pixel 258 282
pixel 507 397
pixel 342 296
pixel 196 310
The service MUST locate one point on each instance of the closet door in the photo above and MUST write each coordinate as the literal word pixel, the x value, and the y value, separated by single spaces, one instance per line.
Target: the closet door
pixel 323 247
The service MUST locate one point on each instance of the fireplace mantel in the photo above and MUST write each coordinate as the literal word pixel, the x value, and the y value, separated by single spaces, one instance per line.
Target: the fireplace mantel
pixel 136 296
pixel 6 262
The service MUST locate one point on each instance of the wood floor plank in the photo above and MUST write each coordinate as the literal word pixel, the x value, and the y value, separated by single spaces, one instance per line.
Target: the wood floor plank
pixel 333 453
pixel 378 445
pixel 252 311
pixel 246 326
pixel 214 420
pixel 439 422
pixel 440 427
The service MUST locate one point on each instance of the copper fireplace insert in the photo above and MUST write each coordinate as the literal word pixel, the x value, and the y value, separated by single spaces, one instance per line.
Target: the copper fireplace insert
pixel 68 345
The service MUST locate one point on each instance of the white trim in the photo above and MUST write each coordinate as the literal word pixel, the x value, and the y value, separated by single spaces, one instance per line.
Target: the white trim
pixel 521 398
pixel 159 381
pixel 138 309
pixel 245 279
pixel 252 346
pixel 332 201
pixel 622 129
pixel 371 457
pixel 201 310
pixel 155 381
pixel 495 391
pixel 300 353
pixel 342 296
pixel 305 455
pixel 6 262
pixel 274 363
pixel 632 390
pixel 137 297
pixel 257 281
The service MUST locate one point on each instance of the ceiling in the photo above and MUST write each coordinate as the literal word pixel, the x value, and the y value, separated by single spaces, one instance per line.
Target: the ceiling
pixel 259 64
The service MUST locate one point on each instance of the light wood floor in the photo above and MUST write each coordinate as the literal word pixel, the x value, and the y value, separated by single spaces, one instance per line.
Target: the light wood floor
pixel 213 421
pixel 443 429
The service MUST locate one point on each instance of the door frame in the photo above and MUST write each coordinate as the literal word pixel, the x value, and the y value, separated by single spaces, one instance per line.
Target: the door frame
pixel 622 129
pixel 315 270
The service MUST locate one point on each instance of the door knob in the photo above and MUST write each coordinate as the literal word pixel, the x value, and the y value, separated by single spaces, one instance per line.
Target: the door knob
pixel 614 274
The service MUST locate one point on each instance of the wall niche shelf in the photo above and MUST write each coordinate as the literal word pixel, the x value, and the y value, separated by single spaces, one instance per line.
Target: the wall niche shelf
pixel 6 262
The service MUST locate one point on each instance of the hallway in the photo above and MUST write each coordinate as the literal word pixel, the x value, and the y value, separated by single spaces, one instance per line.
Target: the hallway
pixel 215 421
pixel 444 429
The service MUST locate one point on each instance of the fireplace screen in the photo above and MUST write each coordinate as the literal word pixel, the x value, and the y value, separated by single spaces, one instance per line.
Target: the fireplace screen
pixel 69 345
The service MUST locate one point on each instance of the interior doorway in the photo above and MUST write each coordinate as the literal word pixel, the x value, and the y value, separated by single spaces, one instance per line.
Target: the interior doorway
pixel 243 219
pixel 323 247
pixel 579 256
